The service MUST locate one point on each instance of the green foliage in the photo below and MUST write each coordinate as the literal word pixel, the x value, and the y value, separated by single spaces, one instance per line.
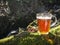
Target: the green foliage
pixel 28 40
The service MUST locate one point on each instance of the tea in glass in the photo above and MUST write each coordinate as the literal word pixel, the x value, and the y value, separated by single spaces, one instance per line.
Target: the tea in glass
pixel 44 24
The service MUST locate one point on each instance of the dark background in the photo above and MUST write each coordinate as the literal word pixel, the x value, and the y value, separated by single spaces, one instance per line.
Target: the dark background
pixel 25 10
pixel 22 12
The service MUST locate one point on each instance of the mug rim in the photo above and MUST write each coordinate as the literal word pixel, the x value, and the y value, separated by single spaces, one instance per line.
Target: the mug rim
pixel 44 15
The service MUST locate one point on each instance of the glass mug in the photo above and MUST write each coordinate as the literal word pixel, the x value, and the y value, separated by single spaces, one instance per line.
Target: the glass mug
pixel 44 22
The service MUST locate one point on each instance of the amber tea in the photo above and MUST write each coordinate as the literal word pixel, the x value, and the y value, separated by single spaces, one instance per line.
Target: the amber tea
pixel 44 22
pixel 44 25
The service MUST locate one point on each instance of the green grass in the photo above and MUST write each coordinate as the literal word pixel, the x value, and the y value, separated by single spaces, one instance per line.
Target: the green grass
pixel 34 39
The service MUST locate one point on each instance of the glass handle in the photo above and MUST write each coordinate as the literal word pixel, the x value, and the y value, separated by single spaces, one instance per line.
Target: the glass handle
pixel 54 22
